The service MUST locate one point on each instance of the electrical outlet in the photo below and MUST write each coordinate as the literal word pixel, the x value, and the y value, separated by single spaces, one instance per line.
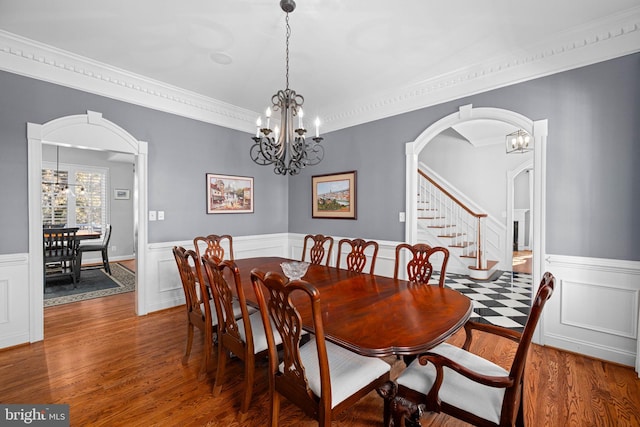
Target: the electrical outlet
pixel 113 248
pixel 160 215
pixel 402 217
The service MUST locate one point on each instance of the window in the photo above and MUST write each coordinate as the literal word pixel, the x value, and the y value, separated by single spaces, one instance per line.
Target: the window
pixel 74 197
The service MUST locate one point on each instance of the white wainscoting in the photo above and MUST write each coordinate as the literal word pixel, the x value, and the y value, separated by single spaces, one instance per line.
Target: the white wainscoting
pixel 595 307
pixel 14 299
pixel 164 289
pixel 385 262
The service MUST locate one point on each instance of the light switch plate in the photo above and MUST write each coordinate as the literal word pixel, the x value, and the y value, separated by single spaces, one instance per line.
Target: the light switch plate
pixel 152 215
pixel 160 215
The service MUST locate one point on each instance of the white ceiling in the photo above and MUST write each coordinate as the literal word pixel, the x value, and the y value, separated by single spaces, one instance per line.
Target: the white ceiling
pixel 353 60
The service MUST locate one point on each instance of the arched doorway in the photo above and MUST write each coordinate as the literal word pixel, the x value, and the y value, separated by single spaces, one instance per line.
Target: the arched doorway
pixel 89 131
pixel 466 113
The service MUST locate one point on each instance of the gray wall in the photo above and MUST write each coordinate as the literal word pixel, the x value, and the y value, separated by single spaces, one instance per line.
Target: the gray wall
pixel 593 181
pixel 181 152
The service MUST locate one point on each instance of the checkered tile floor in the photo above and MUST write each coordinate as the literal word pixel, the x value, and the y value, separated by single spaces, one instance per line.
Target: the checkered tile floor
pixel 503 302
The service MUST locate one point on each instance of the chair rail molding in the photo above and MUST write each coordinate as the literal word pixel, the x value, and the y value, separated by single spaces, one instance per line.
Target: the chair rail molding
pixel 91 131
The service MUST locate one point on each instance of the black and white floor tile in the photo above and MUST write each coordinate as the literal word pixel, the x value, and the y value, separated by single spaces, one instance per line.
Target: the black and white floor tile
pixel 504 302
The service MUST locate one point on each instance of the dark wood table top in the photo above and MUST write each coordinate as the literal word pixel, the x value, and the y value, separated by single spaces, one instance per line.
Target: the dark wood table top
pixel 374 315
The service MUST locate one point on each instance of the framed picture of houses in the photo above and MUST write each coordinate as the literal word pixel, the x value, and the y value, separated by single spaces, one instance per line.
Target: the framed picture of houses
pixel 229 194
pixel 334 195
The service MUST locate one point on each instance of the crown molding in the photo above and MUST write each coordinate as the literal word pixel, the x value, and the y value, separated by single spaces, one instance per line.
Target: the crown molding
pixel 609 38
pixel 32 59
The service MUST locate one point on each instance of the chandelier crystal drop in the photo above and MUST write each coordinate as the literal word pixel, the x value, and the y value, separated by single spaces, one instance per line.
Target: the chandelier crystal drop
pixel 286 148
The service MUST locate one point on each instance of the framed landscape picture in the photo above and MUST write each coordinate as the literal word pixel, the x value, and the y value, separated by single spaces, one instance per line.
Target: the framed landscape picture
pixel 229 194
pixel 334 195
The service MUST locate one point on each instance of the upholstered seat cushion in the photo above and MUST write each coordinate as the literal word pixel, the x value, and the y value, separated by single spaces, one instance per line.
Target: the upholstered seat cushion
pixel 259 337
pixel 237 312
pixel 350 372
pixel 457 390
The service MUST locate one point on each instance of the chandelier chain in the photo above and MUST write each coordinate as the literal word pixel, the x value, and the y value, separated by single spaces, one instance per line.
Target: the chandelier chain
pixel 287 50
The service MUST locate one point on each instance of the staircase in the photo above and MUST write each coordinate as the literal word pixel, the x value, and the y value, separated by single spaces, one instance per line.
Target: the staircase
pixel 443 220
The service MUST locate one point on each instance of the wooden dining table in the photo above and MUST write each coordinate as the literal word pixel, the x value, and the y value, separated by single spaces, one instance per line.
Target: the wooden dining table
pixel 369 314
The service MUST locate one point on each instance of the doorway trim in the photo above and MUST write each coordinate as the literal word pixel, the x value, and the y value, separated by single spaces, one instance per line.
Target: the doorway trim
pixel 538 129
pixel 89 131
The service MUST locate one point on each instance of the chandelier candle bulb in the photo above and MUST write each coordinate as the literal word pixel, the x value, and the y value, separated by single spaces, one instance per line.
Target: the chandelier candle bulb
pixel 268 114
pixel 317 127
pixel 300 114
pixel 258 124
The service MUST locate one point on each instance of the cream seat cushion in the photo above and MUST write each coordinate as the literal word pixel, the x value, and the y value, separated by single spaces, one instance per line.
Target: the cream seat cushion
pixel 457 390
pixel 349 371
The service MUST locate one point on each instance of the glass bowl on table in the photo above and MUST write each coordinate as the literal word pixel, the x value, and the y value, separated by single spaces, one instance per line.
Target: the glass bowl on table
pixel 294 270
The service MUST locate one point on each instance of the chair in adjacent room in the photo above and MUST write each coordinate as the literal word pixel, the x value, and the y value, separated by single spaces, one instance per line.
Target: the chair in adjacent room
pixel 213 245
pixel 320 377
pixel 459 383
pixel 356 258
pixel 420 264
pixel 243 338
pixel 60 257
pixel 102 247
pixel 200 313
pixel 320 247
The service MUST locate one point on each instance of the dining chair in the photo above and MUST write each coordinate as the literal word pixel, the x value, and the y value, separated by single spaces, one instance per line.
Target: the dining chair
pixel 60 257
pixel 320 246
pixel 214 245
pixel 420 263
pixel 320 377
pixel 102 247
pixel 457 382
pixel 244 337
pixel 200 314
pixel 356 258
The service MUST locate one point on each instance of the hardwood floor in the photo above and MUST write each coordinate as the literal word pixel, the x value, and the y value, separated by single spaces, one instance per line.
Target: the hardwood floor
pixel 522 262
pixel 118 369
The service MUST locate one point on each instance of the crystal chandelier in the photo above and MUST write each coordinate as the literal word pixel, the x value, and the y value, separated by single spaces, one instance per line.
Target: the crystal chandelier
pixel 287 148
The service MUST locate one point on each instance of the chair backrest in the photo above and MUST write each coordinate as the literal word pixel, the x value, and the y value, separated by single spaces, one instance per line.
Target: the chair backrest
pixel 420 264
pixel 318 251
pixel 278 311
pixel 223 297
pixel 107 236
pixel 195 292
pixel 356 259
pixel 213 246
pixel 59 244
pixel 516 372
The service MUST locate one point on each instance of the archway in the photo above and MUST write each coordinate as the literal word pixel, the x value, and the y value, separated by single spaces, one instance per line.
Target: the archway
pixel 90 131
pixel 538 129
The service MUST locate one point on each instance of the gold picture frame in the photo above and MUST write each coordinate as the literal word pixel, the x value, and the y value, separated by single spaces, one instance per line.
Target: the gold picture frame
pixel 229 194
pixel 334 195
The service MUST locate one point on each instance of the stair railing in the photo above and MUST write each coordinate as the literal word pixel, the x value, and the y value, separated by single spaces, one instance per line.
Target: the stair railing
pixel 466 227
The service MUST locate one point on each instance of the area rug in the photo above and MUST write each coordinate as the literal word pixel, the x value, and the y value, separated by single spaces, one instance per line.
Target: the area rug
pixel 93 284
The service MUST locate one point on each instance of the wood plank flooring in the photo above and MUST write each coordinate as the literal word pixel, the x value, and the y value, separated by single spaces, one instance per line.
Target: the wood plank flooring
pixel 118 369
